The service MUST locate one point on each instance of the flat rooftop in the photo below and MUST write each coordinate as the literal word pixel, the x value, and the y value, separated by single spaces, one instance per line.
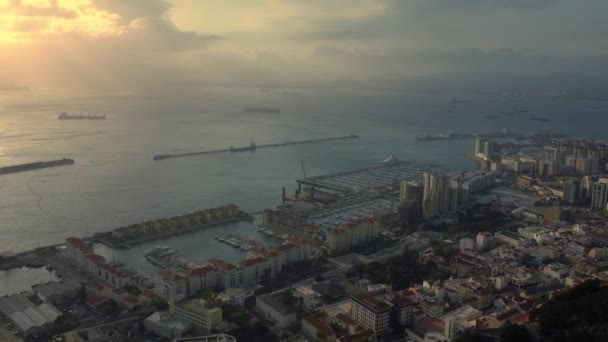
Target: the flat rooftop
pixel 370 178
pixel 346 212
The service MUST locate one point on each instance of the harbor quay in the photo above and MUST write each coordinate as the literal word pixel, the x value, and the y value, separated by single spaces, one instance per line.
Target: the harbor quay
pixel 124 237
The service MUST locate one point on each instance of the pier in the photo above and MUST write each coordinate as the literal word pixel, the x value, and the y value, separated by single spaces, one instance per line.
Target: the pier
pixel 252 147
pixel 35 166
pixel 125 237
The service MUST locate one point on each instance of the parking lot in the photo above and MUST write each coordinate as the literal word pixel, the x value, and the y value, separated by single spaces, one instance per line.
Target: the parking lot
pixel 7 331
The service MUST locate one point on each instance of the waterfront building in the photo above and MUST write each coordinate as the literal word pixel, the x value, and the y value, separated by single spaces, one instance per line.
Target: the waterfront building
pixel 261 262
pixel 410 191
pixel 197 312
pixel 81 253
pixel 227 273
pixel 77 250
pixel 436 196
pixel 252 271
pixel 480 146
pixel 352 234
pixel 599 194
pixel 176 224
pixel 371 312
pixel 490 148
pixel 272 308
pixel 171 285
pixel 511 164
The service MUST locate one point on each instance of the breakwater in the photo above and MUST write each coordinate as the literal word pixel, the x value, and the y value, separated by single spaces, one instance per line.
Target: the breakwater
pixel 252 147
pixel 35 166
pixel 141 232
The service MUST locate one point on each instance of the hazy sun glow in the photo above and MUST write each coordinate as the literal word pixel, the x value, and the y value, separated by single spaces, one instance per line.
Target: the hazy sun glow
pixel 36 19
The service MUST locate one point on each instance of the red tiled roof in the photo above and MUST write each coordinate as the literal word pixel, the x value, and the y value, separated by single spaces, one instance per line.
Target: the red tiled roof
pixel 78 243
pixel 432 325
pixel 221 264
pixel 346 319
pixel 468 259
pixel 316 320
pixel 170 275
pixel 98 259
pixel 265 252
pixel 131 299
pixel 114 270
pixel 93 301
pixel 251 262
pixel 149 293
pixel 200 270
pixel 285 247
pixel 119 291
pixel 371 302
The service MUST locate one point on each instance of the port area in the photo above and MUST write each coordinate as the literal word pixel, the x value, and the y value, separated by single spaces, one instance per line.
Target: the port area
pixel 35 166
pixel 125 237
pixel 461 136
pixel 252 147
pixel 371 179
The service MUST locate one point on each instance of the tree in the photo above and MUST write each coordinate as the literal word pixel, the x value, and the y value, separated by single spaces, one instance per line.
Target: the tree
pixel 110 308
pixel 81 295
pixel 515 333
pixel 582 311
pixel 160 305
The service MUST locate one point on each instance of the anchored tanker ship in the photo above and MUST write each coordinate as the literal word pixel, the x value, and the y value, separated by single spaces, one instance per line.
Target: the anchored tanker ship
pixel 268 110
pixel 80 116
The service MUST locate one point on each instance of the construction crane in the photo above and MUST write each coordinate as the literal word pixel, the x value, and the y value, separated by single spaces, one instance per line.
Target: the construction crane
pixel 303 168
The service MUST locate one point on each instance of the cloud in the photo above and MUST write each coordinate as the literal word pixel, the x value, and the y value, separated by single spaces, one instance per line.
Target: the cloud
pixel 472 5
pixel 50 8
pixel 109 44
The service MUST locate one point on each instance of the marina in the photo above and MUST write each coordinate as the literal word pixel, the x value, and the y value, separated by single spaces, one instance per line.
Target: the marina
pixel 240 241
pixel 252 147
pixel 165 257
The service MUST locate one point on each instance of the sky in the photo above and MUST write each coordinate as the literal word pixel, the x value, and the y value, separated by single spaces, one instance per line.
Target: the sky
pixel 134 44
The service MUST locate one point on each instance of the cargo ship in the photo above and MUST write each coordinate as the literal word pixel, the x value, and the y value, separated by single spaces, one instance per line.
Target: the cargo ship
pixel 35 166
pixel 261 110
pixel 541 119
pixel 80 116
pixel 250 147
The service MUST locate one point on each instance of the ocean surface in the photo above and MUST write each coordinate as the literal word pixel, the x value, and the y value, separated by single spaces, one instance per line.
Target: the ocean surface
pixel 115 182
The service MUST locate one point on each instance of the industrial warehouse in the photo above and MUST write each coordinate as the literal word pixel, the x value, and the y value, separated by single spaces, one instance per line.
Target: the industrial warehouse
pixel 29 319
